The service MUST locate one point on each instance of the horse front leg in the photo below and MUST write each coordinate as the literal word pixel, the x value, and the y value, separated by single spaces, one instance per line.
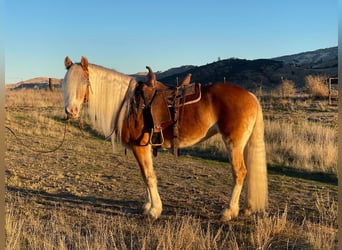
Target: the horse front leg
pixel 147 206
pixel 153 206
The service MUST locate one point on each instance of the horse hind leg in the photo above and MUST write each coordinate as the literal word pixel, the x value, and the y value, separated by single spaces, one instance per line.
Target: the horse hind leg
pixel 239 174
pixel 153 205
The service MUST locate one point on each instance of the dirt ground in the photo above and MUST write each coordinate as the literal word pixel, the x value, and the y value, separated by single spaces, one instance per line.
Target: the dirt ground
pixel 85 172
pixel 86 175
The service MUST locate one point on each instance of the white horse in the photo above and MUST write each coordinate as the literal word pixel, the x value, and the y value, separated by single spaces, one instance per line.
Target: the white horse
pixel 224 108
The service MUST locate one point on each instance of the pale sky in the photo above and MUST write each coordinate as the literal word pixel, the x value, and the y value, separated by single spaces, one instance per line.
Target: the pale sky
pixel 128 35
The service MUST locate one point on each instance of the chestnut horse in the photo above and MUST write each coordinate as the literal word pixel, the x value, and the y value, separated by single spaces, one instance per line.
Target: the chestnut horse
pixel 223 108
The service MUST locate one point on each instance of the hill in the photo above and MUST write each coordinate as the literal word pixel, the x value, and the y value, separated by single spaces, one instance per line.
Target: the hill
pixel 35 83
pixel 164 74
pixel 316 57
pixel 265 72
pixel 246 73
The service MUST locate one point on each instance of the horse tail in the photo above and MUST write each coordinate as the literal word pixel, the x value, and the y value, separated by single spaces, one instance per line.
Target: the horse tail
pixel 255 160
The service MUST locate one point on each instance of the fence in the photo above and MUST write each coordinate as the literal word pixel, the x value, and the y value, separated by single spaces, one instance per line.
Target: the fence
pixel 333 89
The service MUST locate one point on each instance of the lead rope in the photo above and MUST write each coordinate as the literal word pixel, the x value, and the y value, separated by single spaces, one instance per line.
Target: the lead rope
pixel 35 150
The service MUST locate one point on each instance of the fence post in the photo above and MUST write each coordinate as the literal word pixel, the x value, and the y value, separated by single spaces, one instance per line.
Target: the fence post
pixel 329 86
pixel 50 85
pixel 332 81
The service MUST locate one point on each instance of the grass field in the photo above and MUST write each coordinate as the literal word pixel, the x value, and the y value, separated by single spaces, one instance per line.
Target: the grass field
pixel 83 196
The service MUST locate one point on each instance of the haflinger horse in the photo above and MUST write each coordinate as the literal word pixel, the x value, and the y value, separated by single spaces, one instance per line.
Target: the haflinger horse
pixel 223 108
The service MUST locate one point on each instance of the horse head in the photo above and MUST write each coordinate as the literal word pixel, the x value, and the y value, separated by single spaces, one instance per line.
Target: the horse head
pixel 75 86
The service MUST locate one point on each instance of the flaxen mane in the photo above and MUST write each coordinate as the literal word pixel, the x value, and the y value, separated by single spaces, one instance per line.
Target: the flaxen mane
pixel 110 92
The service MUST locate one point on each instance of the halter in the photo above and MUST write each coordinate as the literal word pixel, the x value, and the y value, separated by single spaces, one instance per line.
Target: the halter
pixel 68 63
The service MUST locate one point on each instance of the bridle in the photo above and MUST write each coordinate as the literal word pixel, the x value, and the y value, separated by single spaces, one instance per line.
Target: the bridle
pixel 86 75
pixel 85 101
pixel 37 150
pixel 86 96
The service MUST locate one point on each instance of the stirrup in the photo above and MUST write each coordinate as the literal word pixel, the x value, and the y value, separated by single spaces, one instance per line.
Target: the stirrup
pixel 161 138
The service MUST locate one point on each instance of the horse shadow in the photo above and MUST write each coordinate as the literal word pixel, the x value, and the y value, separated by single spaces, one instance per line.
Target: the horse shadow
pixel 104 206
pixel 82 125
pixel 71 201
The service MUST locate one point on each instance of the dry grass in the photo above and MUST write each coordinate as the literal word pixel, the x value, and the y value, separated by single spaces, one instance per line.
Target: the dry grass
pixel 86 229
pixel 33 98
pixel 268 228
pixel 305 145
pixel 286 142
pixel 70 201
pixel 323 233
pixel 64 228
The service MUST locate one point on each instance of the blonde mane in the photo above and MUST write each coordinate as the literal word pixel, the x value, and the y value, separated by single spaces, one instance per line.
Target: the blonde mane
pixel 110 94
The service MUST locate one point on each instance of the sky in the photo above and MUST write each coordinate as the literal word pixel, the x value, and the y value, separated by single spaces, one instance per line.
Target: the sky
pixel 128 35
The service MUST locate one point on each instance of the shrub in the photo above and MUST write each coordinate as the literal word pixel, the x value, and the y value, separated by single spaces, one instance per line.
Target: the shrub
pixel 286 88
pixel 316 86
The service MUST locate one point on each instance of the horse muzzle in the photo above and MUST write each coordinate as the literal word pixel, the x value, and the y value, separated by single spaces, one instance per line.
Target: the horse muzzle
pixel 72 112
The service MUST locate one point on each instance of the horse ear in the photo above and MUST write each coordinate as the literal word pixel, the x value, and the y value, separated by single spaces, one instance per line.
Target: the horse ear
pixel 67 62
pixel 186 80
pixel 151 77
pixel 84 63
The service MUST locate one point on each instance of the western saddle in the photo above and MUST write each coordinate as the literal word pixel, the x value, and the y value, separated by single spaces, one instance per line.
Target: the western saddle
pixel 163 107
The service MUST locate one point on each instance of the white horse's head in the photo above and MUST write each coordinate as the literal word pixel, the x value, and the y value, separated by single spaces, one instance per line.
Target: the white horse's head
pixel 75 86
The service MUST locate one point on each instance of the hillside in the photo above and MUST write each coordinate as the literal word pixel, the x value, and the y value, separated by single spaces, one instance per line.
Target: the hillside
pixel 316 57
pixel 165 74
pixel 35 83
pixel 246 73
pixel 265 72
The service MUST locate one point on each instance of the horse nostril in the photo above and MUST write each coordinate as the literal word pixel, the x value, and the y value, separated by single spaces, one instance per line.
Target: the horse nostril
pixel 71 111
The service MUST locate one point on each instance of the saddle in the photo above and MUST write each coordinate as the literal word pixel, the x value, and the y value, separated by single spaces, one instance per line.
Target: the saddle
pixel 164 106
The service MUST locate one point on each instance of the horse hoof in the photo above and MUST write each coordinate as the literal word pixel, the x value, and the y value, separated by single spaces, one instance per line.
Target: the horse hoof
pixel 247 212
pixel 146 208
pixel 229 214
pixel 153 214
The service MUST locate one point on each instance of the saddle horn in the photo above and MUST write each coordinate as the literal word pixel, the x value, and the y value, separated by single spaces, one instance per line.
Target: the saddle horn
pixel 151 77
pixel 186 80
